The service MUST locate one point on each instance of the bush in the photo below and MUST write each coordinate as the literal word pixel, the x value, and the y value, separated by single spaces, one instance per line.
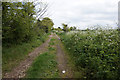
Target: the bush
pixel 96 51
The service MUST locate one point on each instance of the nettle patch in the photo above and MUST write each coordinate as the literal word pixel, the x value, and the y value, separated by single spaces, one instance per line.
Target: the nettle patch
pixel 95 51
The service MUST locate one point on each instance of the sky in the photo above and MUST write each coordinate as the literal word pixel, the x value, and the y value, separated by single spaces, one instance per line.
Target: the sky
pixel 83 13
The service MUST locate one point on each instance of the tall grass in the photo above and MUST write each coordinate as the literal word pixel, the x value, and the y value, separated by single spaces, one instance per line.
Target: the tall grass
pixel 11 56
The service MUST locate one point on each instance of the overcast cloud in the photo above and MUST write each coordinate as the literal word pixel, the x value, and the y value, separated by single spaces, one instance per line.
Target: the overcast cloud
pixel 83 13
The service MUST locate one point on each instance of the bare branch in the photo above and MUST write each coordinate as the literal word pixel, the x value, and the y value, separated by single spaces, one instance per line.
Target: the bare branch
pixel 42 11
pixel 41 8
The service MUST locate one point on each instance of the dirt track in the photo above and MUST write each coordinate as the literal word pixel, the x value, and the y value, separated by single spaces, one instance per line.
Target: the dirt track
pixel 64 69
pixel 19 71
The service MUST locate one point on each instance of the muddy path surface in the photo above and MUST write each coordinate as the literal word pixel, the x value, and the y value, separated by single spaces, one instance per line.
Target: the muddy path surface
pixel 64 69
pixel 20 70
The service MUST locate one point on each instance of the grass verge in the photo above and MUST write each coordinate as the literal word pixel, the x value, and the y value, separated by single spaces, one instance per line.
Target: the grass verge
pixel 13 55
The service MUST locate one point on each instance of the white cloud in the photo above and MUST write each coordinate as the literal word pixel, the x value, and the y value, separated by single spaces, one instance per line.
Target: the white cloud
pixel 82 13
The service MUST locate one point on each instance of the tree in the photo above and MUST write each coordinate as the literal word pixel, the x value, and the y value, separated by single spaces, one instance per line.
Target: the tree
pixel 65 27
pixel 71 28
pixel 47 24
pixel 74 28
pixel 17 21
pixel 59 29
pixel 20 24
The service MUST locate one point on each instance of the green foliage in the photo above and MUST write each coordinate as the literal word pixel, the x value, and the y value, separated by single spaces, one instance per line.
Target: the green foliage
pixel 96 51
pixel 65 27
pixel 21 32
pixel 44 66
pixel 72 28
pixel 51 42
pixel 59 29
pixel 13 55
pixel 17 21
pixel 46 24
pixel 19 25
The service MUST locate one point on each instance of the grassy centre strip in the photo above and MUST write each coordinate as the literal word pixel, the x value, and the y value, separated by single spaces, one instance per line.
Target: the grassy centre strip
pixel 45 65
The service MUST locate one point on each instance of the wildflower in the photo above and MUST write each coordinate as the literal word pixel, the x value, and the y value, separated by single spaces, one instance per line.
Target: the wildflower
pixel 63 71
